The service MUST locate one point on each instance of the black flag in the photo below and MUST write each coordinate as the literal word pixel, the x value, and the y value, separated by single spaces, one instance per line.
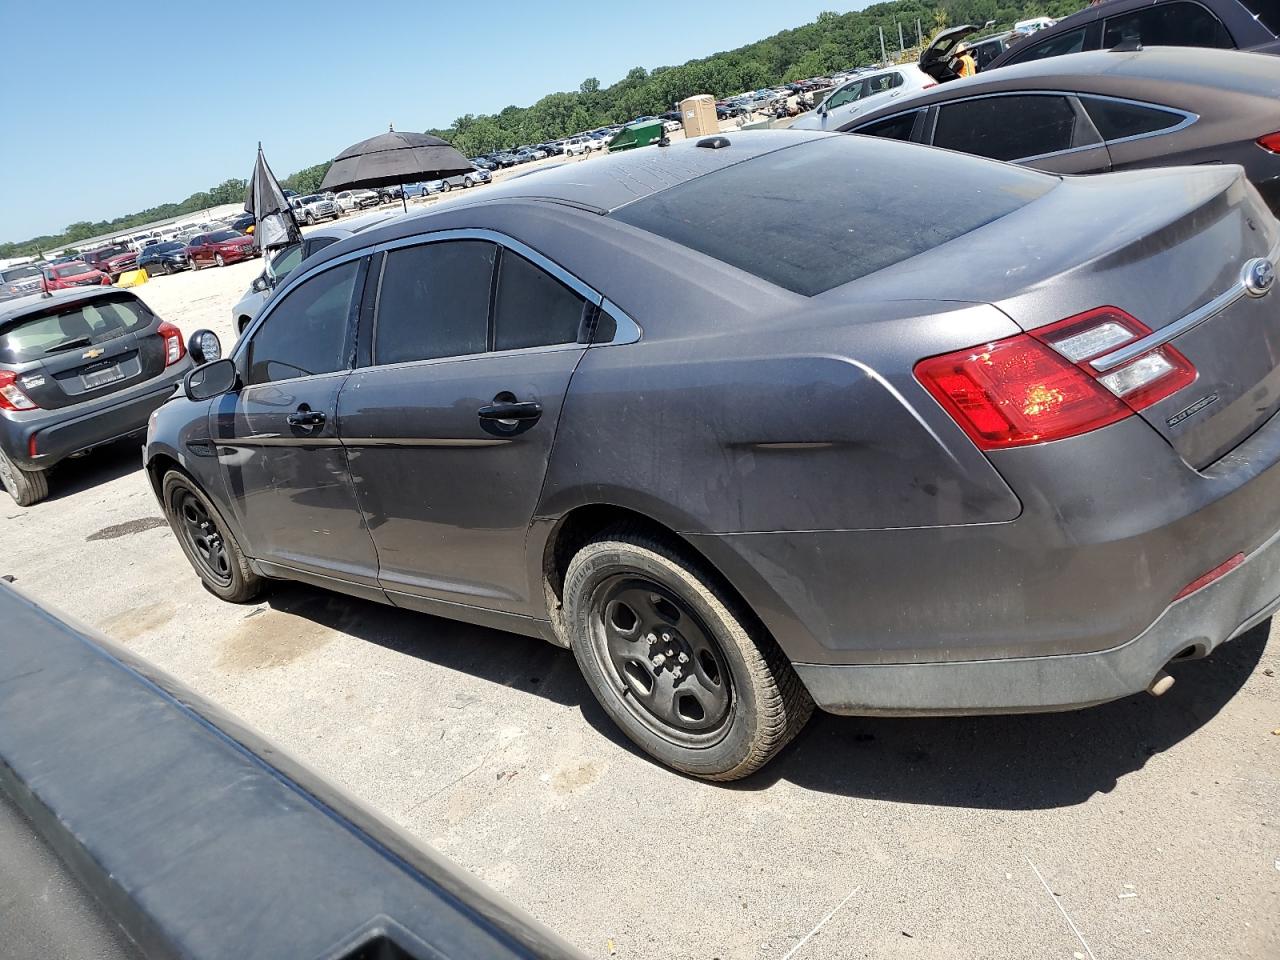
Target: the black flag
pixel 276 226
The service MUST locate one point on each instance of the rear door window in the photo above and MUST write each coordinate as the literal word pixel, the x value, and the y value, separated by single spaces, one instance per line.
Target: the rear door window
pixel 1070 41
pixel 1116 119
pixel 433 301
pixel 1179 24
pixel 81 326
pixel 533 308
pixel 1009 128
pixel 307 333
pixel 892 128
pixel 829 211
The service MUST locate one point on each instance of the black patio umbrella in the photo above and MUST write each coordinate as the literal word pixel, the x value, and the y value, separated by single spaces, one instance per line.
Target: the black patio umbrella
pixel 394 158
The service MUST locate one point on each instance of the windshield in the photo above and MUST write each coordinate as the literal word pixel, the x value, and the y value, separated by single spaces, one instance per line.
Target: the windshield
pixel 81 325
pixel 167 247
pixel 830 211
pixel 220 236
pixel 21 272
pixel 71 269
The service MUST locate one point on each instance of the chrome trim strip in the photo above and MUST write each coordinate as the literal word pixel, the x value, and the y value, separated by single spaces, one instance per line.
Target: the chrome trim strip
pixel 1176 329
pixel 422 442
pixel 275 440
pixel 628 330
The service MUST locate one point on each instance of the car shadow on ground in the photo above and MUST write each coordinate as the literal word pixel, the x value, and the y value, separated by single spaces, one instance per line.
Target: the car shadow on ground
pixel 107 463
pixel 1016 762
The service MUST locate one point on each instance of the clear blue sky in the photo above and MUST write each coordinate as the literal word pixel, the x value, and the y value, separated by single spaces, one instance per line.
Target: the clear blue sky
pixel 151 103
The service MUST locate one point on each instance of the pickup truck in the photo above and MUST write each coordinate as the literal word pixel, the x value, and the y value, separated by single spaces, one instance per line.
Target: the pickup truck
pixel 313 207
pixel 113 260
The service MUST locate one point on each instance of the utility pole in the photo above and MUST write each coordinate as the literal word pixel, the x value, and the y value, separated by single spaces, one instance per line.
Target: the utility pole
pixel 919 34
pixel 884 57
pixel 902 45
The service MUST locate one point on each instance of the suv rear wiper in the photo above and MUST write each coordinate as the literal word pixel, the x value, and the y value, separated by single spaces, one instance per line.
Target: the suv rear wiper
pixel 68 344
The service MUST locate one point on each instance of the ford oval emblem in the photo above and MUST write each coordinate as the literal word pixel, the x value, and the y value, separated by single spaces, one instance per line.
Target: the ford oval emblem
pixel 1258 277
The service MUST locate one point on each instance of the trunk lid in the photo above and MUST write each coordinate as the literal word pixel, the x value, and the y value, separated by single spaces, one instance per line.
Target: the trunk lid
pixel 1170 248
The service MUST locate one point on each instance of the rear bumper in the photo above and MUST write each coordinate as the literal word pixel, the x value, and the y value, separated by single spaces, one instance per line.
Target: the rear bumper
pixel 62 433
pixel 1197 624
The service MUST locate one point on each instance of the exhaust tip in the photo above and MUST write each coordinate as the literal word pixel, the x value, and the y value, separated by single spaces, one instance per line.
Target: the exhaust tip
pixel 1160 685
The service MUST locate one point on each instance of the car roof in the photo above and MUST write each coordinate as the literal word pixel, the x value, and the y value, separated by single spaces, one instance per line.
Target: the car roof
pixel 16 309
pixel 1186 77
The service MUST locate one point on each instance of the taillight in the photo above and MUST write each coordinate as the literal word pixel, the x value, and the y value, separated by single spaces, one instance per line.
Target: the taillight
pixel 1033 388
pixel 1270 142
pixel 11 397
pixel 173 348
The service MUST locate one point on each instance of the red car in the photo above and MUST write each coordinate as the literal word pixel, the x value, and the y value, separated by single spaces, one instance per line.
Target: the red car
pixel 74 273
pixel 113 260
pixel 220 247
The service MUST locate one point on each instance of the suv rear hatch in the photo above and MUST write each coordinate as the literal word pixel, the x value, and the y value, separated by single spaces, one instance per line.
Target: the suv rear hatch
pixel 72 352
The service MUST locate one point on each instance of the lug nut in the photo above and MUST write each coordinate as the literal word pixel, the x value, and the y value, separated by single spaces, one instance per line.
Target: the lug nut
pixel 683 658
pixel 652 638
pixel 677 673
pixel 659 660
pixel 666 638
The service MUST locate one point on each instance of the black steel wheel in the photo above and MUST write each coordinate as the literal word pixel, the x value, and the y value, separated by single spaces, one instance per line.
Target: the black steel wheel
pixel 665 661
pixel 683 668
pixel 205 539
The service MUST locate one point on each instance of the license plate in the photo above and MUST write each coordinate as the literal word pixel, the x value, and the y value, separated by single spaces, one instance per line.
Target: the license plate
pixel 102 377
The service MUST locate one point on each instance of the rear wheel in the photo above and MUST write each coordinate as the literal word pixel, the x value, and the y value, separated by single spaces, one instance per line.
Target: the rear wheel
pixel 27 487
pixel 675 660
pixel 205 539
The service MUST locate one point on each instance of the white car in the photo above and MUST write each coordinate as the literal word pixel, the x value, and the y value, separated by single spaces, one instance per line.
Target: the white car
pixel 576 146
pixel 352 200
pixel 870 91
pixel 1026 27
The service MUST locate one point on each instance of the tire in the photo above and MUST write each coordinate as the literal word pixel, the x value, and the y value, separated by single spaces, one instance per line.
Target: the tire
pixel 446 187
pixel 217 258
pixel 635 605
pixel 467 183
pixel 27 487
pixel 220 564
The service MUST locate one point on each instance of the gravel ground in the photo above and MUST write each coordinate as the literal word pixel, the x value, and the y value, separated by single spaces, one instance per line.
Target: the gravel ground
pixel 1145 828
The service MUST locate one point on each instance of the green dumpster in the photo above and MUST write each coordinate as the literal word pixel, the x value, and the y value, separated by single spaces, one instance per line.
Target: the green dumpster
pixel 637 135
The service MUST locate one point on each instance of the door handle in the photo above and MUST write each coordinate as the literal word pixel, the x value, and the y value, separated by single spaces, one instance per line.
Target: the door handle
pixel 305 417
pixel 520 410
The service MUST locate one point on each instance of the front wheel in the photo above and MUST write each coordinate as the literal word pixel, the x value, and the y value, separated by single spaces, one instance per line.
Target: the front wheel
pixel 27 487
pixel 217 258
pixel 677 662
pixel 205 539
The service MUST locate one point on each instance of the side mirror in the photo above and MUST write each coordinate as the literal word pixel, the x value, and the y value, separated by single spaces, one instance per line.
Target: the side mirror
pixel 260 283
pixel 211 380
pixel 204 347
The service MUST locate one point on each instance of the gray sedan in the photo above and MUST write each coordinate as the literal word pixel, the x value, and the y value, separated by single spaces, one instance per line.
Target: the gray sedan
pixel 1093 112
pixel 765 421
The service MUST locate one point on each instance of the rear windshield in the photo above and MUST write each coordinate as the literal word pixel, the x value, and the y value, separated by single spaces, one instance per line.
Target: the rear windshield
pixel 222 235
pixel 823 213
pixel 71 269
pixel 79 326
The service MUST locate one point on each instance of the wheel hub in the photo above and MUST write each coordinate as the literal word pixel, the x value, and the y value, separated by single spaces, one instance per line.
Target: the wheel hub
pixel 666 665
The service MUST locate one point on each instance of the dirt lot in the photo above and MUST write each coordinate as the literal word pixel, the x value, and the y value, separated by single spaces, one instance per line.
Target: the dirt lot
pixel 1145 828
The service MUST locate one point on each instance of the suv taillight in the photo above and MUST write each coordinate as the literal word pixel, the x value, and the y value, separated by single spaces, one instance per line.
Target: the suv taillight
pixel 11 397
pixel 173 348
pixel 1037 387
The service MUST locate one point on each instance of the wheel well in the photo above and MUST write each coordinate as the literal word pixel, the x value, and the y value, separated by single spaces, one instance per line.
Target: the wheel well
pixel 159 465
pixel 581 525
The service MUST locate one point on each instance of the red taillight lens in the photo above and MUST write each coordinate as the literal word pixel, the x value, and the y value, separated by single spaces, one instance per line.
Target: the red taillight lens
pixel 173 348
pixel 1033 388
pixel 1017 391
pixel 1270 142
pixel 11 397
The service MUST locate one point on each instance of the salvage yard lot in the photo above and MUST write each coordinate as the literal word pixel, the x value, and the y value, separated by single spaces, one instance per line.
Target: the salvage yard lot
pixel 1155 824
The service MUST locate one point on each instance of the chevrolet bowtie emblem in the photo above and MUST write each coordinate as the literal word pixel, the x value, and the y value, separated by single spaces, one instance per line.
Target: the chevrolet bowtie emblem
pixel 91 354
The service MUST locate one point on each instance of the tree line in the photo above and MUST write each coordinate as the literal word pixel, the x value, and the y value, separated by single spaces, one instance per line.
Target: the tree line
pixel 831 42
